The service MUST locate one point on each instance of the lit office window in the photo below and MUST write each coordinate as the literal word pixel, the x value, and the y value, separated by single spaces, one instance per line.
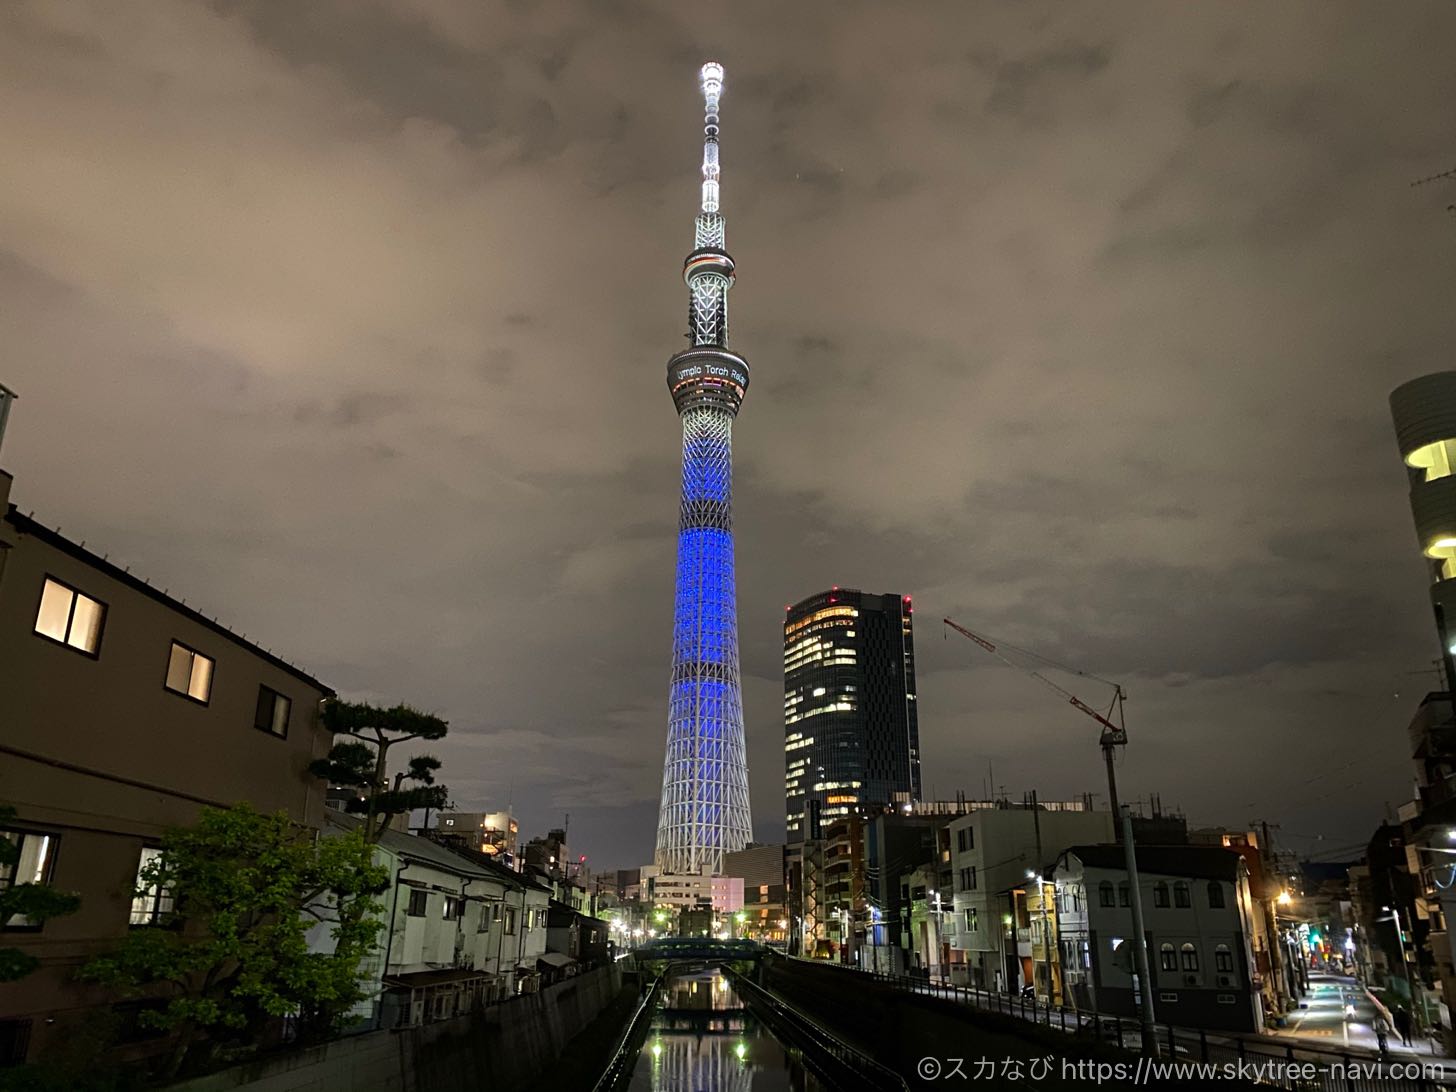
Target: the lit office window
pixel 189 672
pixel 67 616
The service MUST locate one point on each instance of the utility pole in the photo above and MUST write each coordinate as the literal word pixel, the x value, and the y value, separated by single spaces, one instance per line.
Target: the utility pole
pixel 1140 941
pixel 1271 923
pixel 1046 939
pixel 1417 1014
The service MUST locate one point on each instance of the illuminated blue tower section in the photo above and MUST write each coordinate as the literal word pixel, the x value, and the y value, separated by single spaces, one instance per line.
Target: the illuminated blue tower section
pixel 705 773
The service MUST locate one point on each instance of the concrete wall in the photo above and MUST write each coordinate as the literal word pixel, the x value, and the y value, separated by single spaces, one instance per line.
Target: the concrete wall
pixel 503 1048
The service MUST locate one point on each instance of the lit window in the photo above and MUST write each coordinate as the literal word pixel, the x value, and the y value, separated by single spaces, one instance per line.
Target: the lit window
pixel 1223 959
pixel 1190 958
pixel 451 910
pixel 1167 958
pixel 67 616
pixel 152 900
pixel 271 714
pixel 189 673
pixel 32 865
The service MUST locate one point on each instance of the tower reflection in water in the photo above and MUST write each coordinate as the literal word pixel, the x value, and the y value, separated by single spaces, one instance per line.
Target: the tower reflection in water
pixel 703 1038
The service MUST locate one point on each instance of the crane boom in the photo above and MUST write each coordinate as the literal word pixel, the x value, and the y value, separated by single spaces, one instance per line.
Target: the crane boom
pixel 1113 733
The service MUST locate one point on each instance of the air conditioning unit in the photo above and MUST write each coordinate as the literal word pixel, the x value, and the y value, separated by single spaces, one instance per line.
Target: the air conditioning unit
pixel 1225 980
pixel 1190 980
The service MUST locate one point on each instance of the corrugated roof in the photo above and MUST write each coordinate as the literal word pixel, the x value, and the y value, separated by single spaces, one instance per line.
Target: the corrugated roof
pixel 418 849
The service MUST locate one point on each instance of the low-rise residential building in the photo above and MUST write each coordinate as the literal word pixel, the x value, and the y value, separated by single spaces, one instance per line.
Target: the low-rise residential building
pixel 925 907
pixel 495 832
pixel 1197 908
pixel 460 930
pixel 443 946
pixel 574 941
pixel 895 940
pixel 1276 981
pixel 992 852
pixel 123 711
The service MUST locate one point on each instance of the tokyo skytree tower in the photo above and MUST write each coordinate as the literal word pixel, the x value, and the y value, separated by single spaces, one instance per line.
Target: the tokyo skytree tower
pixel 705 772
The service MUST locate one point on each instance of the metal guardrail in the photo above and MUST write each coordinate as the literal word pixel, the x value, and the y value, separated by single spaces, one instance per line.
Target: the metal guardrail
pixel 1183 1044
pixel 629 1045
pixel 843 1066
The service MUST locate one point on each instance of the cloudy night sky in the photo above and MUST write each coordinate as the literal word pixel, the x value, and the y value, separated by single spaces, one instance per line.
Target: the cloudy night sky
pixel 347 322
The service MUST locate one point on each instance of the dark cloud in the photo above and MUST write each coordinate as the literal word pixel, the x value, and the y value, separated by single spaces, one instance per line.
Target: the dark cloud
pixel 1032 86
pixel 348 321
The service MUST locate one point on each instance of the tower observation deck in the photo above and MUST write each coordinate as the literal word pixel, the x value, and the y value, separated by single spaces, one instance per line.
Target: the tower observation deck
pixel 705 810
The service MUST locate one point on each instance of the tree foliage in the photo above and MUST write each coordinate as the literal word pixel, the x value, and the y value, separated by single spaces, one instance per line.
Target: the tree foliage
pixel 36 901
pixel 362 761
pixel 234 950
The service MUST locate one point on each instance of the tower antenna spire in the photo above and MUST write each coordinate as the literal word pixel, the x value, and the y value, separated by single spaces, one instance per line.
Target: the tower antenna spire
pixel 710 78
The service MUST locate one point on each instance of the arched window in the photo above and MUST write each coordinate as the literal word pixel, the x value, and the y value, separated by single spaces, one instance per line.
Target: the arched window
pixel 1104 893
pixel 1124 897
pixel 1180 895
pixel 1167 957
pixel 1215 895
pixel 1223 959
pixel 1190 958
pixel 1160 894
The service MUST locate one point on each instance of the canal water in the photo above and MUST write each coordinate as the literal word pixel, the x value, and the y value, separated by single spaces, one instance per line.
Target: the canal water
pixel 703 1039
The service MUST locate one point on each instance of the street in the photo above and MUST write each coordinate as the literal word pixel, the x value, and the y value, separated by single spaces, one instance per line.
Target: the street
pixel 1319 1026
pixel 1322 1022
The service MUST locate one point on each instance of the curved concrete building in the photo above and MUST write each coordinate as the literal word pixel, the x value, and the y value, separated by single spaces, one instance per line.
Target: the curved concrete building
pixel 1425 427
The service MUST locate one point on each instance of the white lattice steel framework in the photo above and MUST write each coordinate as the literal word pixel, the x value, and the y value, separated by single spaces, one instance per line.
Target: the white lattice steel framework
pixel 705 809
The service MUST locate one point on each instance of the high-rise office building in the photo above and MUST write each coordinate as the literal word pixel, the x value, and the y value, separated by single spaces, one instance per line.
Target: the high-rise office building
pixel 1425 427
pixel 851 733
pixel 704 811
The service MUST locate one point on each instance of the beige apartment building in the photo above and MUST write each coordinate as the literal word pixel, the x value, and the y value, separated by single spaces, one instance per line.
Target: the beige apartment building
pixel 122 712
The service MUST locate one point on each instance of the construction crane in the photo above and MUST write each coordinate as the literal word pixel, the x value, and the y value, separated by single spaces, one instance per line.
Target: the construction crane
pixel 1113 735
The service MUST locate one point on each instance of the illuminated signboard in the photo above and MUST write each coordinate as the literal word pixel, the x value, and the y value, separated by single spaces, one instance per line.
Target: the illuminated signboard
pixel 731 373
